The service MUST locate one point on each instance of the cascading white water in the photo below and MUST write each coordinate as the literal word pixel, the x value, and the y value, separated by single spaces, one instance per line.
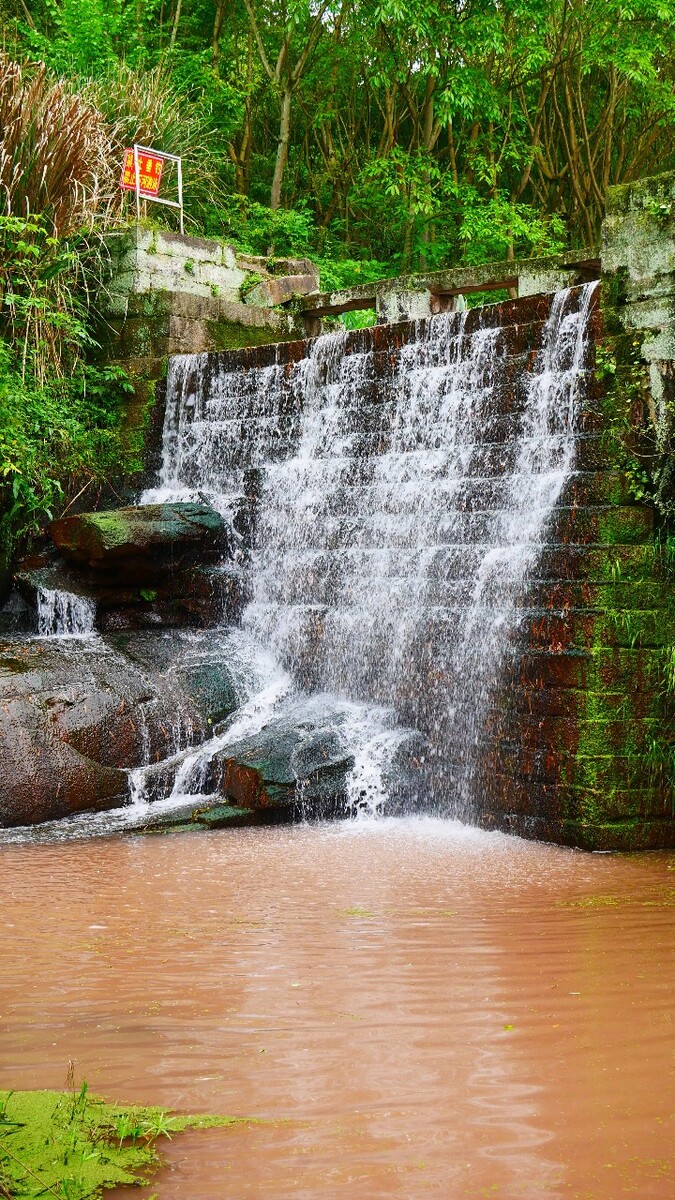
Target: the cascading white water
pixel 404 501
pixel 544 463
pixel 63 614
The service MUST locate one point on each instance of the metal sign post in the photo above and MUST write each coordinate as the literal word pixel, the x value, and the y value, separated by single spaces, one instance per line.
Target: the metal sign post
pixel 142 174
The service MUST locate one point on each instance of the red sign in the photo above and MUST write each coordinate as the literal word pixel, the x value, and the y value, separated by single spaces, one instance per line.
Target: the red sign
pixel 150 167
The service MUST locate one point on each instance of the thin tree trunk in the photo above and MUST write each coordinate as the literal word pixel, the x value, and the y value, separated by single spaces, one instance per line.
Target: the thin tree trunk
pixel 218 22
pixel 282 148
pixel 174 29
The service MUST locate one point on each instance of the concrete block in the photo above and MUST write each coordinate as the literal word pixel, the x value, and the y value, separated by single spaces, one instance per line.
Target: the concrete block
pixel 279 290
pixel 532 283
pixel 195 308
pixel 227 280
pixel 393 305
pixel 186 336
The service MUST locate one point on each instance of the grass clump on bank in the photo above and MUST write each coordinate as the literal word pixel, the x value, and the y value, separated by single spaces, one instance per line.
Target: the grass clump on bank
pixel 72 1145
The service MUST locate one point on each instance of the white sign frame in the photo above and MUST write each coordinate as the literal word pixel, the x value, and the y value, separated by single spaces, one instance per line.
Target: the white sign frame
pixel 138 149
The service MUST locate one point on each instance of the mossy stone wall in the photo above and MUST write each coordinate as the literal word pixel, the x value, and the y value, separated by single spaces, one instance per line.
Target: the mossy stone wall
pixel 166 294
pixel 583 745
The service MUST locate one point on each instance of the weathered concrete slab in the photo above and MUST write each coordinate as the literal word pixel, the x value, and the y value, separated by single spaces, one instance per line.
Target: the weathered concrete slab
pixel 412 297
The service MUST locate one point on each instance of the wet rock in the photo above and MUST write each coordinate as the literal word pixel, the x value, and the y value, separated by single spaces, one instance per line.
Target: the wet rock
pixel 16 615
pixel 192 819
pixel 187 664
pixel 44 780
pixel 286 769
pixel 199 597
pixel 159 778
pixel 293 767
pixel 69 723
pixel 222 816
pixel 139 544
pixel 76 715
pixel 47 769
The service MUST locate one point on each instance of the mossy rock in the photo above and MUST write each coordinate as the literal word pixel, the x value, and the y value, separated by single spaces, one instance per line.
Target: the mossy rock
pixel 224 815
pixel 138 543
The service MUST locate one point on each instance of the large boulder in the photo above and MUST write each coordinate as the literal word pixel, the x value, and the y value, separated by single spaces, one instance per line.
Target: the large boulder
pixel 45 722
pixel 188 665
pixel 295 765
pixel 76 715
pixel 285 769
pixel 135 545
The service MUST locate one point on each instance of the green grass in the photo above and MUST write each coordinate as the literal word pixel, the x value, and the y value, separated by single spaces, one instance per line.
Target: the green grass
pixel 73 1145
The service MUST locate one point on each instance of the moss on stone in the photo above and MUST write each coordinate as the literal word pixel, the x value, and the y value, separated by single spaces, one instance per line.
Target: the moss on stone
pixel 624 526
pixel 621 835
pixel 230 335
pixel 221 816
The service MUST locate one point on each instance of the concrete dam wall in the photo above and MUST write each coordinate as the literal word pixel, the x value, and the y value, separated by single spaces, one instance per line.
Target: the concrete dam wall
pixel 443 527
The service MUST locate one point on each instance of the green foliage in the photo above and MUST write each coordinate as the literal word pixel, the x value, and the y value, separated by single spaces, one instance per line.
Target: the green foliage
pixel 361 318
pixel 349 272
pixel 495 228
pixel 82 36
pixel 72 1145
pixel 41 312
pixel 416 133
pixel 60 416
pixel 260 230
pixel 55 436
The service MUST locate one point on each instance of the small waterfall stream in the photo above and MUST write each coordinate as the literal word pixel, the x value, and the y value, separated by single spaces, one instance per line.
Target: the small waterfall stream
pixel 403 501
pixel 64 614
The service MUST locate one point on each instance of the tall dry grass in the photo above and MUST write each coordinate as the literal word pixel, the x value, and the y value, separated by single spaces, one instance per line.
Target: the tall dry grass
pixel 61 149
pixel 55 150
pixel 148 107
pixel 60 159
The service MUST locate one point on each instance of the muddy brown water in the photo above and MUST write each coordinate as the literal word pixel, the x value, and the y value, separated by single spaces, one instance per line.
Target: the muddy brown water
pixel 406 1008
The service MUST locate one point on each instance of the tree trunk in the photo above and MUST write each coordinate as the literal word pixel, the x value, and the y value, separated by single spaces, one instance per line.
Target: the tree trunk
pixel 218 22
pixel 282 148
pixel 174 29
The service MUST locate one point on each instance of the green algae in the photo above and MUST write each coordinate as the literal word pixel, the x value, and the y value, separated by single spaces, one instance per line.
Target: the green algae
pixel 73 1146
pixel 662 898
pixel 221 815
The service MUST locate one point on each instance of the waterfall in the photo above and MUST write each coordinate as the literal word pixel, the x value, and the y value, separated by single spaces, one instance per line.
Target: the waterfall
pixel 63 614
pixel 405 494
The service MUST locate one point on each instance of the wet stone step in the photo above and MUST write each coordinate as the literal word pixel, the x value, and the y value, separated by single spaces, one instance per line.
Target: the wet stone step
pixel 384 493
pixel 579 628
pixel 601 524
pixel 596 564
pixel 559 702
pixel 608 596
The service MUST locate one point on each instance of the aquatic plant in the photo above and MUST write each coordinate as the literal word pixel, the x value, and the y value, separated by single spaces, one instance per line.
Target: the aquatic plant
pixel 73 1145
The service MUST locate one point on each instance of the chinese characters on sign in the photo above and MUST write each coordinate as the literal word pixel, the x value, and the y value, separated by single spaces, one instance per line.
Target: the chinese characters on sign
pixel 142 172
pixel 150 167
